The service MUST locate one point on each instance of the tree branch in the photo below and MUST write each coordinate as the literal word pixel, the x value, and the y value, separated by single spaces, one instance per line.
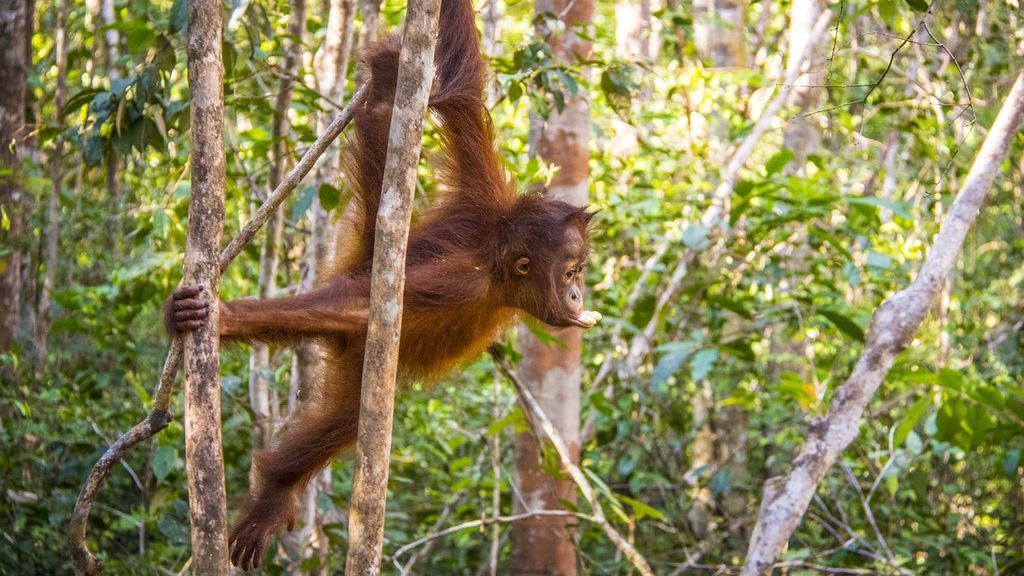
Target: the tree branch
pixel 538 419
pixel 892 328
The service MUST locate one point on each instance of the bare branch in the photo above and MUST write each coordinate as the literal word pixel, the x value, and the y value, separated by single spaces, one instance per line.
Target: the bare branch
pixel 892 329
pixel 538 419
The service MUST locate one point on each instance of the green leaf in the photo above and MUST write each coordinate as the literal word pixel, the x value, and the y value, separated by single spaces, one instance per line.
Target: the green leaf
pixel 515 92
pixel 1011 461
pixel 897 208
pixel 179 16
pixel 951 379
pixel 702 363
pixel 303 202
pixel 165 460
pixel 777 162
pixel 330 196
pixel 845 324
pixel 546 338
pixel 161 223
pixel 917 5
pixel 667 366
pixel 910 420
pixel 887 10
pixel 79 99
pixel 642 510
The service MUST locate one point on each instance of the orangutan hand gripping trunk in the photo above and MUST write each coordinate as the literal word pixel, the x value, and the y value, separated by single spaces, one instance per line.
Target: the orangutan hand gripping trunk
pixel 477 259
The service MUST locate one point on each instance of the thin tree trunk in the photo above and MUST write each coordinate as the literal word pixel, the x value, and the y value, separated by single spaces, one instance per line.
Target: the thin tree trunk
pixel 42 333
pixel 491 46
pixel 370 10
pixel 802 132
pixel 893 326
pixel 719 28
pixel 204 456
pixel 330 65
pixel 260 394
pixel 380 366
pixel 14 32
pixel 719 35
pixel 544 544
pixel 109 47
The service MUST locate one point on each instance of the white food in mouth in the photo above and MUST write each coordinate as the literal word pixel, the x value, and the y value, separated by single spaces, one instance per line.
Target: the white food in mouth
pixel 589 318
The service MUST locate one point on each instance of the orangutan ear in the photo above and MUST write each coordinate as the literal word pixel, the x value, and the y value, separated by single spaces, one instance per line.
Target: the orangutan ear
pixel 522 266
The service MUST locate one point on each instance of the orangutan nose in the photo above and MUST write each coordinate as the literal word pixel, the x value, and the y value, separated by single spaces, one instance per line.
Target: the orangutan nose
pixel 576 297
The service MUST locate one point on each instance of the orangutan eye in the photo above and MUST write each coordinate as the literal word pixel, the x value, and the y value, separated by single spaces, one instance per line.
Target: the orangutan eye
pixel 569 275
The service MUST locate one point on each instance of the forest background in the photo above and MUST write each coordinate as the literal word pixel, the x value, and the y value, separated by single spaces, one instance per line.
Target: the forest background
pixel 765 177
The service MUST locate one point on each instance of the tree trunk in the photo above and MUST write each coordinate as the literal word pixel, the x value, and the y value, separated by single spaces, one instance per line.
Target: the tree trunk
pixel 719 28
pixel 42 332
pixel 14 33
pixel 720 448
pixel 380 366
pixel 330 65
pixel 109 47
pixel 370 9
pixel 260 386
pixel 544 544
pixel 802 133
pixel 204 456
pixel 491 47
pixel 893 327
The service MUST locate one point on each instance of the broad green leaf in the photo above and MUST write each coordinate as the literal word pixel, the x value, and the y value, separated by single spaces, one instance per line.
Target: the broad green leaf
pixel 777 162
pixel 917 410
pixel 164 460
pixel 330 196
pixel 845 324
pixel 702 363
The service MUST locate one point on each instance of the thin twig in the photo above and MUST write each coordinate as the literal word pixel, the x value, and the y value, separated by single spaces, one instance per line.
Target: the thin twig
pixel 479 523
pixel 538 419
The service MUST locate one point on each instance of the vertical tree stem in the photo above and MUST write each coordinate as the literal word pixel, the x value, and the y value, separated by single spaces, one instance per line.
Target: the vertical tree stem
pixel 369 486
pixel 203 451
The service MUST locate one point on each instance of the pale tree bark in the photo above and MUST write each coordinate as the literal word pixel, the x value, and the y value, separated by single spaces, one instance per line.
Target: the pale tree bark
pixel 720 437
pixel 790 350
pixel 14 34
pixel 261 397
pixel 204 455
pixel 544 544
pixel 802 132
pixel 633 34
pixel 633 29
pixel 491 46
pixel 42 332
pixel 719 31
pixel 109 47
pixel 380 365
pixel 370 11
pixel 893 327
pixel 330 65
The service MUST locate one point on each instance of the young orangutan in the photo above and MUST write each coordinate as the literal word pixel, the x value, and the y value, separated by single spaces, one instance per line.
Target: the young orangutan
pixel 477 259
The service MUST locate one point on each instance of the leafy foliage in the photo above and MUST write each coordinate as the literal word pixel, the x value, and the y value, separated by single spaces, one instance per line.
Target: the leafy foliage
pixel 765 324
